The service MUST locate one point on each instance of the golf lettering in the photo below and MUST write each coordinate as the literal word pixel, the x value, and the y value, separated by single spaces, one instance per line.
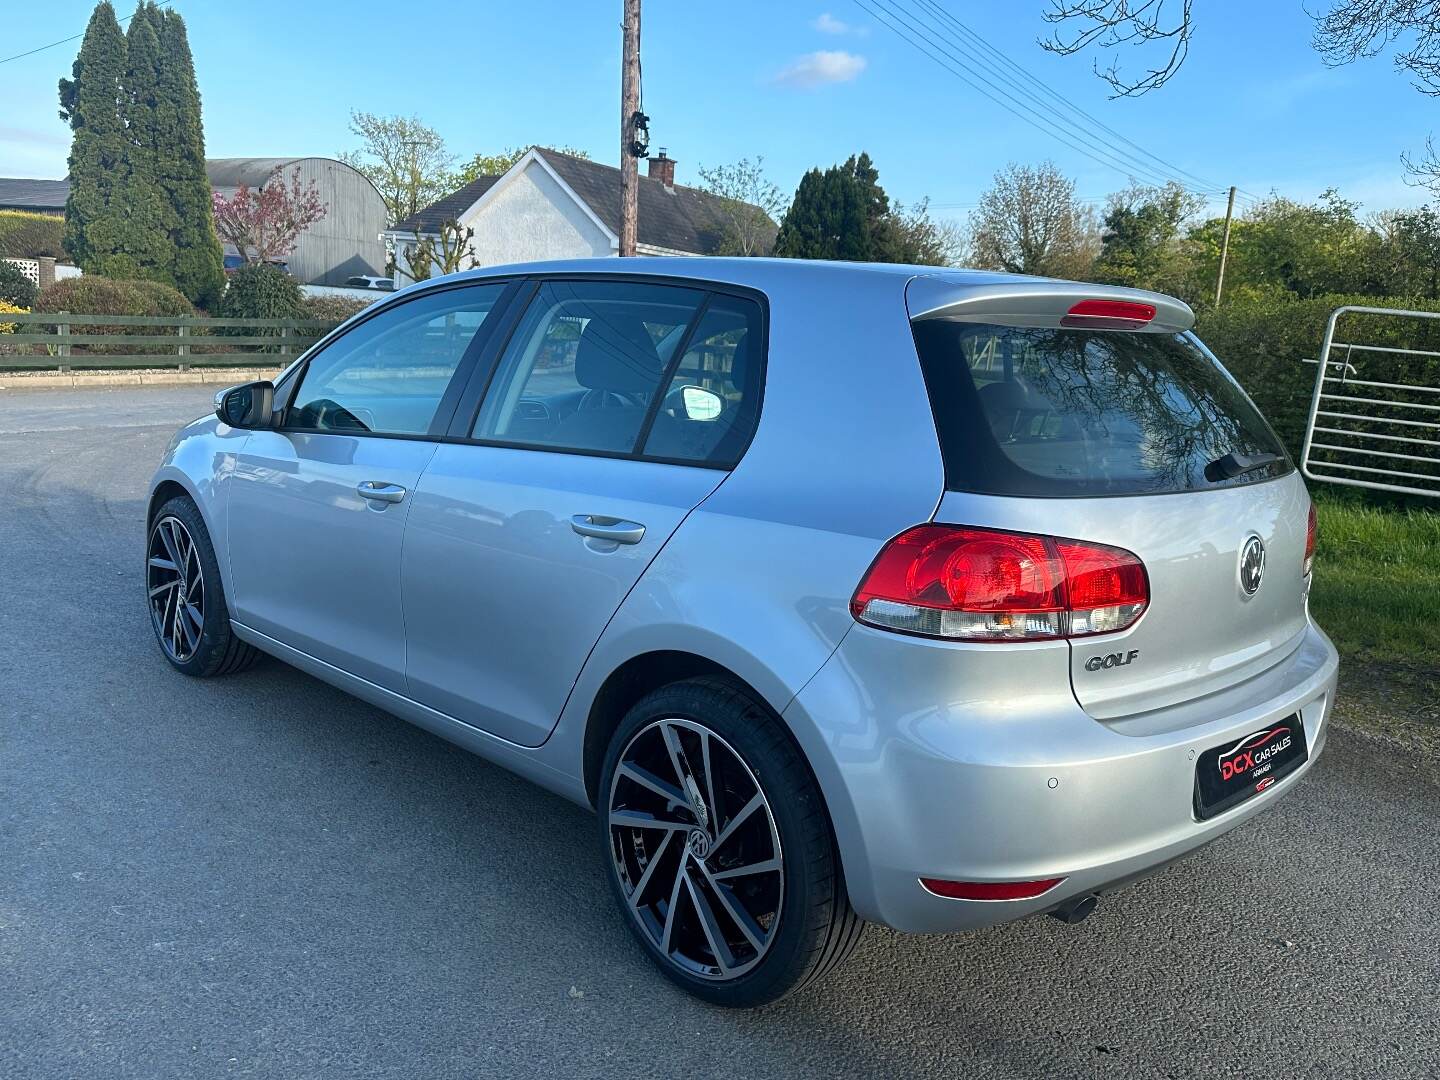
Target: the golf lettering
pixel 1110 660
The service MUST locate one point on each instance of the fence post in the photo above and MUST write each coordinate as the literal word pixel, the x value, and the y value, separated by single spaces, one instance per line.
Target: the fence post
pixel 63 328
pixel 284 342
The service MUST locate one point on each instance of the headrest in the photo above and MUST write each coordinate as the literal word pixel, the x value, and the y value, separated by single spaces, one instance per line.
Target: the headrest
pixel 617 353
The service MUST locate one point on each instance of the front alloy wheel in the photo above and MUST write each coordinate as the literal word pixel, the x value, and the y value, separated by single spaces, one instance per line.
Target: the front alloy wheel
pixel 695 845
pixel 176 583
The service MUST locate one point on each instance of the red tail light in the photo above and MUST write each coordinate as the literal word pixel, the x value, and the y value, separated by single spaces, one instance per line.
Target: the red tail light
pixel 1109 315
pixel 968 584
pixel 1311 528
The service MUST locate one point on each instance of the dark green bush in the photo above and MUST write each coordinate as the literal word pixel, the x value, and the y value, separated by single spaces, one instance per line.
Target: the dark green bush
pixel 261 291
pixel 93 295
pixel 15 287
pixel 24 235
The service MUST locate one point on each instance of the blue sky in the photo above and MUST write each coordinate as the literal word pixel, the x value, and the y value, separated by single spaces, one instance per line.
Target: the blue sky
pixel 800 83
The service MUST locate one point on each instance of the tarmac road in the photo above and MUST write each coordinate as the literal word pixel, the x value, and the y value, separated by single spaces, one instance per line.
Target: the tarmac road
pixel 259 876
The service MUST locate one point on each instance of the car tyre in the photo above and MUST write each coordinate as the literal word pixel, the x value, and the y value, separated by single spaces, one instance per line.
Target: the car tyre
pixel 186 598
pixel 700 785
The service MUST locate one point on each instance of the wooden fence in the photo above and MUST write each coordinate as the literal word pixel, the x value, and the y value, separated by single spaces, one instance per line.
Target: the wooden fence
pixel 52 340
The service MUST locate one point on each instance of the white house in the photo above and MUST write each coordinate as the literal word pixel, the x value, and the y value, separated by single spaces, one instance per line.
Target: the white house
pixel 550 205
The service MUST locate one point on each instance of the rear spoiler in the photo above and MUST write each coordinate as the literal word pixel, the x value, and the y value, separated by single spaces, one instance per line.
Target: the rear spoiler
pixel 1038 302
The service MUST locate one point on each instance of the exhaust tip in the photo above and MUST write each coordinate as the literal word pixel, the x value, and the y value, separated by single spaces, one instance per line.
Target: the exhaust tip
pixel 1076 910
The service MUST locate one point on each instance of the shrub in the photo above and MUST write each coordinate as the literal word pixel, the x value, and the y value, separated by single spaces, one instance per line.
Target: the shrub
pixel 335 309
pixel 93 295
pixel 261 291
pixel 9 309
pixel 1263 339
pixel 15 287
pixel 25 235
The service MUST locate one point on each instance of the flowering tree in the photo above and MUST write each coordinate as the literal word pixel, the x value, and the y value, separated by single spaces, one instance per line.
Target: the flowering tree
pixel 265 224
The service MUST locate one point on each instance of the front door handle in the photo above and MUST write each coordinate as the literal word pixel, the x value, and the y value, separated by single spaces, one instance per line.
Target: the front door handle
pixel 608 528
pixel 376 491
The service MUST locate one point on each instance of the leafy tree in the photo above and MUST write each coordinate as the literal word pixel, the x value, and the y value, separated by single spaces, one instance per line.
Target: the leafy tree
pixel 750 202
pixel 180 165
pixel 495 164
pixel 15 287
pixel 94 219
pixel 264 225
pixel 1142 235
pixel 406 161
pixel 1029 222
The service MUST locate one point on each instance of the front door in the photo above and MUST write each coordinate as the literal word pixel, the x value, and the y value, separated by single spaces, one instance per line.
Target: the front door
pixel 614 411
pixel 319 503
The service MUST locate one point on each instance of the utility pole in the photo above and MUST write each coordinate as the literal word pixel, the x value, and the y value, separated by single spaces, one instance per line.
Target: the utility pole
pixel 1224 247
pixel 629 114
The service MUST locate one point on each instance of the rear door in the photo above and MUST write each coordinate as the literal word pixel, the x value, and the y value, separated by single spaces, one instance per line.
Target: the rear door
pixel 615 408
pixel 1132 435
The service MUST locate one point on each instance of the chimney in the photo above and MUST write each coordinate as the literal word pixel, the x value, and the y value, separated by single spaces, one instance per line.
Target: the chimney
pixel 662 168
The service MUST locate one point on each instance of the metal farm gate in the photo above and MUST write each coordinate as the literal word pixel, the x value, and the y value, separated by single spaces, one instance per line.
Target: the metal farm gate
pixel 1375 411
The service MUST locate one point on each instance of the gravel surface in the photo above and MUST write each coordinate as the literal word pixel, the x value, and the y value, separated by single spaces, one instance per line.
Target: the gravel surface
pixel 259 876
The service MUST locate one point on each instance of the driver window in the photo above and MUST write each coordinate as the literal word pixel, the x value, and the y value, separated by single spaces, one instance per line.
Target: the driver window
pixel 585 363
pixel 389 373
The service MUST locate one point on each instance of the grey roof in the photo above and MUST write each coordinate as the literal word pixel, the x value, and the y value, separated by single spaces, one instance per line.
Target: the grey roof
pixel 25 194
pixel 678 219
pixel 449 208
pixel 253 172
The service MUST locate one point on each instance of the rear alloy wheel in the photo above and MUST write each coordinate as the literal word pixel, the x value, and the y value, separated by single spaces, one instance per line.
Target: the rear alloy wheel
pixel 720 850
pixel 186 599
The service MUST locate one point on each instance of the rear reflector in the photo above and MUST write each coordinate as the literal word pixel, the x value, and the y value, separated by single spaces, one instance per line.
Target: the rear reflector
pixel 1311 529
pixel 1110 314
pixel 968 584
pixel 990 890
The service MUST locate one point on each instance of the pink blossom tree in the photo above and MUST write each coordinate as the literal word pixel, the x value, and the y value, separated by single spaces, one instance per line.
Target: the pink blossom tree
pixel 264 225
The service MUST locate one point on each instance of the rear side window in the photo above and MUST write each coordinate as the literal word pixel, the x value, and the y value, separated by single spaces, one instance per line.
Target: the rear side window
pixel 621 368
pixel 1065 412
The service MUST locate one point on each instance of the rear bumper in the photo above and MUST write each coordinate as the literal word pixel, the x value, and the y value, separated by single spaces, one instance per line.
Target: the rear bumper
pixel 941 760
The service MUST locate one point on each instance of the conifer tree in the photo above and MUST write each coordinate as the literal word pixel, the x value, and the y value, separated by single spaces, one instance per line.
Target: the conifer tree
pixel 149 219
pixel 199 263
pixel 94 219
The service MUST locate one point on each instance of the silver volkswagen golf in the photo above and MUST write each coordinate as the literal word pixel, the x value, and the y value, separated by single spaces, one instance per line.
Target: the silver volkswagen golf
pixel 841 593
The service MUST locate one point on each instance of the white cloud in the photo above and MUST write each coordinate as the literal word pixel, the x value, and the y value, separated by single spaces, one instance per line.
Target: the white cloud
pixel 829 24
pixel 818 68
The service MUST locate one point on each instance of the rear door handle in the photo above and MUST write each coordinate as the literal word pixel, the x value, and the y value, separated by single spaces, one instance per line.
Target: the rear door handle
pixel 608 528
pixel 376 491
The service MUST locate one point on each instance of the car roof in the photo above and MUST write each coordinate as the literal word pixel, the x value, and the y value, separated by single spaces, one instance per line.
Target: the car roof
pixel 739 271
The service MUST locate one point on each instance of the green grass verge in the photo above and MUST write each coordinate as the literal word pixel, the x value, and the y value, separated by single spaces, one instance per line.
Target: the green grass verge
pixel 1377 581
pixel 1377 594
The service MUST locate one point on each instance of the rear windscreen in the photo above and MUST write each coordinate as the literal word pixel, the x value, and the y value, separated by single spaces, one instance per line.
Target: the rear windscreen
pixel 1057 412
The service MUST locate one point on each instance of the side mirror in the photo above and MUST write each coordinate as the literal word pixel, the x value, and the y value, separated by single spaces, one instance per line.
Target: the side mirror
pixel 247 406
pixel 701 404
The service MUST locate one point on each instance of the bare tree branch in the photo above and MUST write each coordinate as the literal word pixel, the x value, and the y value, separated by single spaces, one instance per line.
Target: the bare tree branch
pixel 1111 23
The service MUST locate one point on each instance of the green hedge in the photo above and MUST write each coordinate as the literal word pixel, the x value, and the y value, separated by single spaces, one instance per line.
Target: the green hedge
pixel 94 295
pixel 24 235
pixel 1263 340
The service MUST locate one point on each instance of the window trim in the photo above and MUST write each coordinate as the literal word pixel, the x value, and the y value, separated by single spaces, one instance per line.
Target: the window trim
pixel 461 426
pixel 450 398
